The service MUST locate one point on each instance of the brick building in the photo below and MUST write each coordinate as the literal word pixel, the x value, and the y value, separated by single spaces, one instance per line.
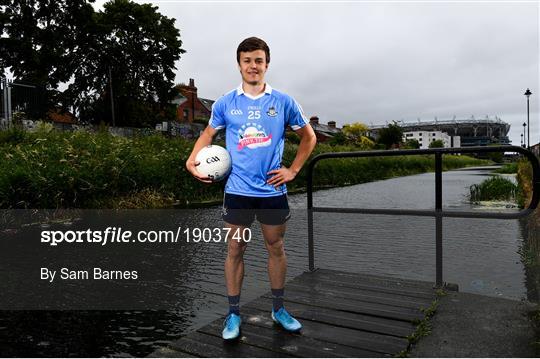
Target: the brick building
pixel 323 132
pixel 190 106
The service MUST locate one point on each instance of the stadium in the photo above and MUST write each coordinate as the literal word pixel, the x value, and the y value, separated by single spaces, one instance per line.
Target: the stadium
pixel 473 132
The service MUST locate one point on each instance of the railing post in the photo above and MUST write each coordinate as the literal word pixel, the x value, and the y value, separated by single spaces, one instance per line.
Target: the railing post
pixel 3 87
pixel 311 249
pixel 438 221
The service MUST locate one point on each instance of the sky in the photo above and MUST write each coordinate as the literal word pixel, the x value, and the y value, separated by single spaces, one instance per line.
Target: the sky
pixel 373 62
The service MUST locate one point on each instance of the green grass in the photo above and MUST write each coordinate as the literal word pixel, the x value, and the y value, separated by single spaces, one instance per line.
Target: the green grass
pixel 534 317
pixel 423 327
pixel 508 168
pixel 54 169
pixel 524 178
pixel 493 189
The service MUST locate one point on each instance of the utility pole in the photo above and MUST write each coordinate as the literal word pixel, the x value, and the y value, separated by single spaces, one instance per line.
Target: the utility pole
pixel 9 113
pixel 3 85
pixel 112 97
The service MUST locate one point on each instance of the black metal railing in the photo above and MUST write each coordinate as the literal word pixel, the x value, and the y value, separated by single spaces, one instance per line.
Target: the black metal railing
pixel 438 213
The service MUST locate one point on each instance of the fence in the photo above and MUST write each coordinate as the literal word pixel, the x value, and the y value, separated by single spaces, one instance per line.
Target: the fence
pixel 18 97
pixel 438 213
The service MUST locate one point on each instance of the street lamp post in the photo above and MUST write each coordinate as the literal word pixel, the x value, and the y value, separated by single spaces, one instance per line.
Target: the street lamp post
pixel 522 141
pixel 528 93
pixel 524 138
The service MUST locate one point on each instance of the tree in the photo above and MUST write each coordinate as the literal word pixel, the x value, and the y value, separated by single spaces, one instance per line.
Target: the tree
pixel 497 157
pixel 339 139
pixel 412 143
pixel 357 134
pixel 390 135
pixel 355 130
pixel 138 47
pixel 39 43
pixel 40 38
pixel 436 144
pixel 66 41
pixel 365 143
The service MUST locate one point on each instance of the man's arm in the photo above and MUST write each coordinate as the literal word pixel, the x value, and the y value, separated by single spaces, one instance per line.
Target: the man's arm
pixel 308 140
pixel 204 140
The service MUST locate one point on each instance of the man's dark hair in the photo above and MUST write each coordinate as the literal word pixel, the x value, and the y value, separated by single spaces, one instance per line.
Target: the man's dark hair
pixel 251 44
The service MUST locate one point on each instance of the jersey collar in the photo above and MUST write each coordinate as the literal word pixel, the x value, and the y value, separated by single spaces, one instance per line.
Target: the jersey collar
pixel 267 90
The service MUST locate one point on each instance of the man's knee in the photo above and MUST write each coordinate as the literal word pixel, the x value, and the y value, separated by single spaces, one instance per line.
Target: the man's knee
pixel 275 247
pixel 236 249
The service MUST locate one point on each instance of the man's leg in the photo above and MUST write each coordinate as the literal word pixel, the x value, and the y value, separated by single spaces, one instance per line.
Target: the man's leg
pixel 234 275
pixel 277 269
pixel 277 260
pixel 234 263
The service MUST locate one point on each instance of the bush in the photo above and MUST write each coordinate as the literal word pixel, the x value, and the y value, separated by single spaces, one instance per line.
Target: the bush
pixel 411 143
pixel 508 168
pixel 292 137
pixel 494 188
pixel 339 139
pixel 524 178
pixel 436 144
pixel 54 169
pixel 79 169
pixel 13 135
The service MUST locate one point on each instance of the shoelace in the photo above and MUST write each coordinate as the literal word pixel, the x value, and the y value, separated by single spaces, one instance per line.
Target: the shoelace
pixel 286 316
pixel 228 323
pixel 289 319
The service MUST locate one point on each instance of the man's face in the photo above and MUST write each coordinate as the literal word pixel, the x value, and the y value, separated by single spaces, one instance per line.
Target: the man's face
pixel 253 66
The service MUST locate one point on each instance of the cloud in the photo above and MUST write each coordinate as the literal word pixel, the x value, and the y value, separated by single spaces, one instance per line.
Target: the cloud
pixel 374 62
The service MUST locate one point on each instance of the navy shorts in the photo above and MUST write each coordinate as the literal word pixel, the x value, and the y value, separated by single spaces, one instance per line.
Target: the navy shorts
pixel 242 210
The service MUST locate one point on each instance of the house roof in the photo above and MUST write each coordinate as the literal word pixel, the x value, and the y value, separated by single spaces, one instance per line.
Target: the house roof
pixel 207 103
pixel 325 129
pixel 179 99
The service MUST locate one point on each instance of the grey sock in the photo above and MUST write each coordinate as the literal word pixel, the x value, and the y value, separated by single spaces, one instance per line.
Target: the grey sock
pixel 234 304
pixel 277 298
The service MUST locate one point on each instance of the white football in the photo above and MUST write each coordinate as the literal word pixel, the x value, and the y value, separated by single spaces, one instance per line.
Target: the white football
pixel 214 162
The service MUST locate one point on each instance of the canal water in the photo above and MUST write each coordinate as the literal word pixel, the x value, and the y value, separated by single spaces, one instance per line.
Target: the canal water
pixel 480 255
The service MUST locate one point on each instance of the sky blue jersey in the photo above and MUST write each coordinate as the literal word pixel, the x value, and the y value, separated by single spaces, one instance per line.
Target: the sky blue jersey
pixel 255 137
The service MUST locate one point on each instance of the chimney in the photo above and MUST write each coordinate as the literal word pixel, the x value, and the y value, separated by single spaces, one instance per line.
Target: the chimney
pixel 191 83
pixel 314 120
pixel 332 124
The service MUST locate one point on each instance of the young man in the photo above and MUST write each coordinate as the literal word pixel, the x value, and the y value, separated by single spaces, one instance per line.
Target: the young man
pixel 255 118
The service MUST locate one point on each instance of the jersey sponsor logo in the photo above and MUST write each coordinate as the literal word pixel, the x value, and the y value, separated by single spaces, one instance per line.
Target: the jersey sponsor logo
pixel 236 111
pixel 272 112
pixel 252 135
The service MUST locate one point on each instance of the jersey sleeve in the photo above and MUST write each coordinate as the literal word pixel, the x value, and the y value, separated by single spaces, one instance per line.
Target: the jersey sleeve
pixel 217 118
pixel 295 115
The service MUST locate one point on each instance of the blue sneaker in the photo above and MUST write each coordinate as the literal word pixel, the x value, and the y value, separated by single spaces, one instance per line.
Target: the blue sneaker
pixel 286 320
pixel 231 327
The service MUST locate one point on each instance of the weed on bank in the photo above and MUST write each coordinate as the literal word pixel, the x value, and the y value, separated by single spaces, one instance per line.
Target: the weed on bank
pixel 58 169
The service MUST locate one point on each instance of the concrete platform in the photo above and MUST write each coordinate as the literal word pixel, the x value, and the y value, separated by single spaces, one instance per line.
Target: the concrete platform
pixel 470 325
